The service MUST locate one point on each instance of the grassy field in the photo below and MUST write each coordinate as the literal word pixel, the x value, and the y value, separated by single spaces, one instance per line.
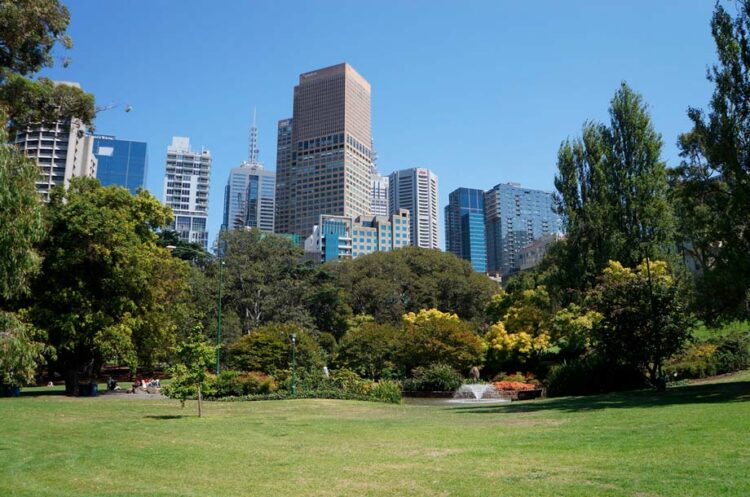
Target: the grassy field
pixel 691 441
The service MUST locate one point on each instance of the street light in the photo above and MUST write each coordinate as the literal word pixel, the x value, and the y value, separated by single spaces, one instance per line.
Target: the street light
pixel 218 327
pixel 294 364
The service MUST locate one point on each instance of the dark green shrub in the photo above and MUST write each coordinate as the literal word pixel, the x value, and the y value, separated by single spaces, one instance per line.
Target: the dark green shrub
pixel 696 361
pixel 386 391
pixel 349 381
pixel 234 383
pixel 717 355
pixel 590 375
pixel 433 378
pixel 268 348
pixel 732 352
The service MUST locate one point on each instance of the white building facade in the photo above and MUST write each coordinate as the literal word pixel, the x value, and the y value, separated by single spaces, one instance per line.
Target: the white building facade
pixel 62 150
pixel 186 183
pixel 379 194
pixel 416 190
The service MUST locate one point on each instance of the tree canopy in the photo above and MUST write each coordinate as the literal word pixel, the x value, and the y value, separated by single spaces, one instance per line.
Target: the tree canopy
pixel 713 181
pixel 387 285
pixel 612 193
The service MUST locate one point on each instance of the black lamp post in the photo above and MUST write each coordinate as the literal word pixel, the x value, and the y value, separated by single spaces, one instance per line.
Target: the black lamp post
pixel 294 364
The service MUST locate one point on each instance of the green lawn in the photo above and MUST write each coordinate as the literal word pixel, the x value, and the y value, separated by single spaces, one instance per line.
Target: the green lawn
pixel 691 441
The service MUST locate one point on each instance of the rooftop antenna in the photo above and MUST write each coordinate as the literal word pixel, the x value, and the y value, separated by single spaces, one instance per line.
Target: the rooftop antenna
pixel 252 150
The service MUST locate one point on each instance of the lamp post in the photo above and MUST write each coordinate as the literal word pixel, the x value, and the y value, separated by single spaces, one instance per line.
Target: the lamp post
pixel 294 364
pixel 218 324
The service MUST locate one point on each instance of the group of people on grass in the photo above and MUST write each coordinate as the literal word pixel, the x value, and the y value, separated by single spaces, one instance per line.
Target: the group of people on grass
pixel 146 383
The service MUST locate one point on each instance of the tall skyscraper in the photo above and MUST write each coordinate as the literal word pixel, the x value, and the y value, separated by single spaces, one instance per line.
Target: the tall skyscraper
pixel 284 175
pixel 379 194
pixel 249 197
pixel 326 169
pixel 417 191
pixel 464 227
pixel 186 190
pixel 515 217
pixel 121 162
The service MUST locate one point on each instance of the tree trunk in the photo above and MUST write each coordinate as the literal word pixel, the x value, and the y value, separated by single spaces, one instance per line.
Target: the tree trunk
pixel 200 401
pixel 71 381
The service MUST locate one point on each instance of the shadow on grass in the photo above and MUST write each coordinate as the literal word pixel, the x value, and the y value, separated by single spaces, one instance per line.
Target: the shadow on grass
pixel 165 416
pixel 714 393
pixel 42 392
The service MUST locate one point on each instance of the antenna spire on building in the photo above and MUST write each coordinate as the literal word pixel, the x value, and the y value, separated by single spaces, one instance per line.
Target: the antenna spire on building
pixel 252 150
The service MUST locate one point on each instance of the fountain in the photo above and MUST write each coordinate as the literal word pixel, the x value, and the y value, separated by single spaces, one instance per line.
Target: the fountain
pixel 474 393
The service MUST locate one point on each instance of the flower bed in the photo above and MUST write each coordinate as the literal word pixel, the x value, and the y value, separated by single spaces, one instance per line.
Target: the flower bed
pixel 513 385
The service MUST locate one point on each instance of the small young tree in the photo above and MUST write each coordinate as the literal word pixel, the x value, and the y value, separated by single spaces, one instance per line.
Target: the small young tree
pixel 190 373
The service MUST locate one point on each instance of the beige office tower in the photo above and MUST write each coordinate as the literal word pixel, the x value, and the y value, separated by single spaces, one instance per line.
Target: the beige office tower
pixel 326 167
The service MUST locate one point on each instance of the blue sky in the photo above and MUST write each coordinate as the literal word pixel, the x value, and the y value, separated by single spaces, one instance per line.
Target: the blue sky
pixel 481 92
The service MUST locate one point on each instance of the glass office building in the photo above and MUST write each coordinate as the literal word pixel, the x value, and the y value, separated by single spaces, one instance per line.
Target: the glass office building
pixel 464 227
pixel 121 162
pixel 249 198
pixel 514 218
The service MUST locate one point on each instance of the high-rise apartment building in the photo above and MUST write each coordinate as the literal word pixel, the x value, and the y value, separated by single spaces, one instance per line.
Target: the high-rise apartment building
pixel 379 194
pixel 249 196
pixel 514 218
pixel 186 190
pixel 344 237
pixel 63 150
pixel 417 191
pixel 325 167
pixel 121 162
pixel 464 227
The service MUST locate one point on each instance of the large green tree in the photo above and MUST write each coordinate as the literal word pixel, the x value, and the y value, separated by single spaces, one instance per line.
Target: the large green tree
pixel 105 288
pixel 387 285
pixel 612 193
pixel 713 181
pixel 263 279
pixel 643 317
pixel 29 30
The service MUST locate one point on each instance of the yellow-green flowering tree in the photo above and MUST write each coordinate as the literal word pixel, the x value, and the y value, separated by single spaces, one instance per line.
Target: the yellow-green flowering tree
pixel 431 336
pixel 523 330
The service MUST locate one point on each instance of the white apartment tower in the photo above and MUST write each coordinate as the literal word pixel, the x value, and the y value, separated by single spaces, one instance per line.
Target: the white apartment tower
pixel 63 150
pixel 416 190
pixel 186 190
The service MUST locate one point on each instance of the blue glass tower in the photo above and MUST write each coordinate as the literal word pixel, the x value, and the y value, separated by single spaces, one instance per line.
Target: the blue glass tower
pixel 514 218
pixel 465 227
pixel 121 162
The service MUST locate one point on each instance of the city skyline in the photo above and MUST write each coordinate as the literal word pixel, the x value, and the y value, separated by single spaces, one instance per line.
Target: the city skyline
pixel 434 102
